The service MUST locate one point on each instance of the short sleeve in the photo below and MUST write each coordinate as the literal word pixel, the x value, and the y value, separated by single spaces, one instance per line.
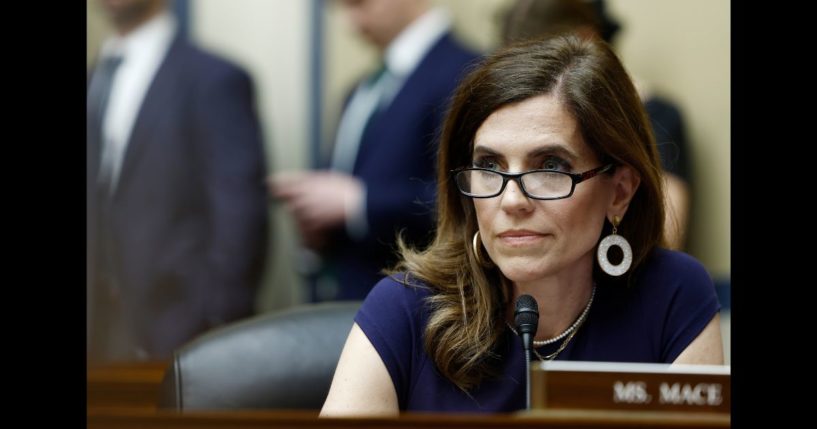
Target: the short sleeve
pixel 391 317
pixel 693 303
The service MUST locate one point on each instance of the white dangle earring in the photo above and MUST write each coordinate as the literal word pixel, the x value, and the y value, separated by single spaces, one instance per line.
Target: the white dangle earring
pixel 610 241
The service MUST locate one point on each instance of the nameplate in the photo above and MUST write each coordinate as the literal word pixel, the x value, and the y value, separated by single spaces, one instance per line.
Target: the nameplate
pixel 630 386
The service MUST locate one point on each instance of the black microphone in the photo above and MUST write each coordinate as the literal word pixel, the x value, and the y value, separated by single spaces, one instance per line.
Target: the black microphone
pixel 526 318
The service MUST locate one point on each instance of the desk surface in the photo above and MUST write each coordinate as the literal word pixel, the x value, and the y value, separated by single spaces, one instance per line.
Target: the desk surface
pixel 124 396
pixel 134 418
pixel 125 385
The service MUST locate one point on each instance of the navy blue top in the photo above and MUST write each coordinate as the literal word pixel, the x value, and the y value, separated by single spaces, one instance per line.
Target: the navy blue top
pixel 670 303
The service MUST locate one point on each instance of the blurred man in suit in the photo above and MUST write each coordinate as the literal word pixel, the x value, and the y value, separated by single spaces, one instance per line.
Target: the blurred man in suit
pixel 177 211
pixel 380 178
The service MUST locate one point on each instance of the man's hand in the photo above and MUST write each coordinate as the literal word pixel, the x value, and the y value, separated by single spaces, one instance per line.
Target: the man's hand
pixel 318 201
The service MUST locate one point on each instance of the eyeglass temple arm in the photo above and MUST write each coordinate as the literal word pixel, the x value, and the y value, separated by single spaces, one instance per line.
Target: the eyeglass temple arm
pixel 595 172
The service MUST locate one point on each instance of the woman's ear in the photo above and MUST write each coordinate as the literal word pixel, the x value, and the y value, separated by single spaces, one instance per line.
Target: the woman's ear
pixel 625 183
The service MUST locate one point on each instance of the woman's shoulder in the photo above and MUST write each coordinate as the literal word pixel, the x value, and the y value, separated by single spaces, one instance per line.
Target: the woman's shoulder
pixel 677 299
pixel 674 278
pixel 396 292
pixel 393 317
pixel 673 266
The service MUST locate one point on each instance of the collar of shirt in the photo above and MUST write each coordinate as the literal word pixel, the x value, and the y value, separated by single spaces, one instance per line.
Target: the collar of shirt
pixel 410 46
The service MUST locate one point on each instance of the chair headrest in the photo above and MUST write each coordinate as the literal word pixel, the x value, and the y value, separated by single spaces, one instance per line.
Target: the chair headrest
pixel 280 360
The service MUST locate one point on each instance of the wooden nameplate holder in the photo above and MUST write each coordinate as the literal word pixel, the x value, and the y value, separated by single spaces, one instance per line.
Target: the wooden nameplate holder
pixel 630 386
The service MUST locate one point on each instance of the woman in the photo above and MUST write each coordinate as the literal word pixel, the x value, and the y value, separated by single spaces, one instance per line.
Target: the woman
pixel 545 154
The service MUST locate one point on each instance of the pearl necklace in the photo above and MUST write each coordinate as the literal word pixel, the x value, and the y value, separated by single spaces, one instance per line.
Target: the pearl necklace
pixel 576 324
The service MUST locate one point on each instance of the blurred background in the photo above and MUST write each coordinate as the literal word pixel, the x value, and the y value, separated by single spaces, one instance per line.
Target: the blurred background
pixel 304 58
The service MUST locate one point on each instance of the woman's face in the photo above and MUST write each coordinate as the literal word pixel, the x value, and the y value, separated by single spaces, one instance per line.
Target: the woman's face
pixel 532 239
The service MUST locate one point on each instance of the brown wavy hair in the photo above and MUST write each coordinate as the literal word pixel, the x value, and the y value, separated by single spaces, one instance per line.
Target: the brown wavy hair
pixel 468 299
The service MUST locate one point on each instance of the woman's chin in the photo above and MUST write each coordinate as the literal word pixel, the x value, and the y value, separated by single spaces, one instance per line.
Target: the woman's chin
pixel 523 269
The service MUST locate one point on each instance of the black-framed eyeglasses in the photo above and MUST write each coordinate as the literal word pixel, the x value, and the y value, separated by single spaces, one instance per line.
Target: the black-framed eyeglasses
pixel 537 184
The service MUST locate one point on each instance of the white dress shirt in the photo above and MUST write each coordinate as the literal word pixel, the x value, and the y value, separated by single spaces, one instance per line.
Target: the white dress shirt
pixel 142 52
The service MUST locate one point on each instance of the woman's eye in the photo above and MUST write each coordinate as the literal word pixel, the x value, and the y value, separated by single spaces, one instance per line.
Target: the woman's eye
pixel 555 164
pixel 486 163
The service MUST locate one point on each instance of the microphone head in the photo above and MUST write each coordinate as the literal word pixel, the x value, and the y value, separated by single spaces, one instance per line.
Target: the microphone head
pixel 526 315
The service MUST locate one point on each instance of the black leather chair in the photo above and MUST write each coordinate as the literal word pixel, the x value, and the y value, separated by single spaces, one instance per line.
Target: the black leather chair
pixel 280 360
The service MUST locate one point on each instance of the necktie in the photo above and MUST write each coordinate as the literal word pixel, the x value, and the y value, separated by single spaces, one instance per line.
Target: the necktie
pixel 372 80
pixel 371 95
pixel 98 102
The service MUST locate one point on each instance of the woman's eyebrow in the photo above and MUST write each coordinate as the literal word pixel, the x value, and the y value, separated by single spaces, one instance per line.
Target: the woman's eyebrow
pixel 553 149
pixel 548 149
pixel 483 150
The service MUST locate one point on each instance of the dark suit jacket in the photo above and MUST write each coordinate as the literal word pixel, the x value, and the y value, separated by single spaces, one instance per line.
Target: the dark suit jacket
pixel 189 215
pixel 397 162
pixel 670 136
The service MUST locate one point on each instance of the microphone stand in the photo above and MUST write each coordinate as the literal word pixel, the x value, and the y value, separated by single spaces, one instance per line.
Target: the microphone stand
pixel 526 318
pixel 526 342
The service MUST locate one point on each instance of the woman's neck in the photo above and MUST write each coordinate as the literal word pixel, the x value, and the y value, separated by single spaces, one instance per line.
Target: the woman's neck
pixel 561 299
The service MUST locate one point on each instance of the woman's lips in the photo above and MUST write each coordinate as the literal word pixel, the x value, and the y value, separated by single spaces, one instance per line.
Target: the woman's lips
pixel 518 238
